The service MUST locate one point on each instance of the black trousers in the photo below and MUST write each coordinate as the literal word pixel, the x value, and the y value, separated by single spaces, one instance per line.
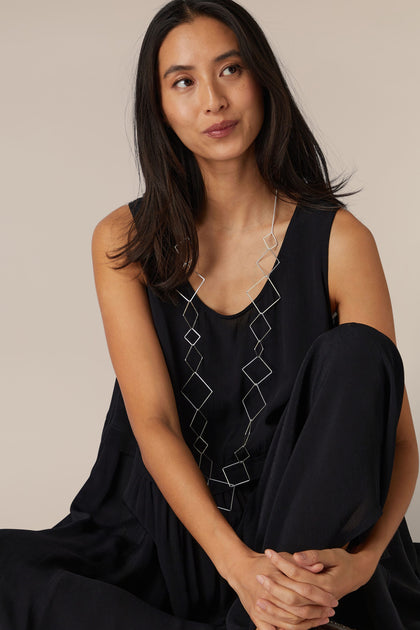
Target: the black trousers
pixel 122 560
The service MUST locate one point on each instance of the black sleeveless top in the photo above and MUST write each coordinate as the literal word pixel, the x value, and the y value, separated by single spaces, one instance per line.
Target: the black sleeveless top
pixel 232 374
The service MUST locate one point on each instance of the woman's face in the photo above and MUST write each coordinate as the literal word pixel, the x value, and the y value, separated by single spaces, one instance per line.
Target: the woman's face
pixel 204 83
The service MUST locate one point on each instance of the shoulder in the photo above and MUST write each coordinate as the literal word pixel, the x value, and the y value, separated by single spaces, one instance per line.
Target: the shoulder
pixel 112 230
pixel 109 235
pixel 357 282
pixel 352 247
pixel 347 232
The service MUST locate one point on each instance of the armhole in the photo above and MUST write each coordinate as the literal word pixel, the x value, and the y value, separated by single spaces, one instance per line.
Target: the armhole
pixel 325 260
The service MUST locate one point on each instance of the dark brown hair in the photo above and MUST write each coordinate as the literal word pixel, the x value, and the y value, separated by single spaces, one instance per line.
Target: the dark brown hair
pixel 163 237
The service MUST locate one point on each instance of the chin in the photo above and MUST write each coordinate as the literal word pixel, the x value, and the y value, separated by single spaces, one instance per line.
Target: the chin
pixel 225 153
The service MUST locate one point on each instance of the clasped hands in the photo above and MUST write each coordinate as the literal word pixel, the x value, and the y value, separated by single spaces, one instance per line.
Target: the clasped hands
pixel 282 591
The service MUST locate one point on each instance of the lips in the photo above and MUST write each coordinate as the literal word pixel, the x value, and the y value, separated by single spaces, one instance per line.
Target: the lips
pixel 225 124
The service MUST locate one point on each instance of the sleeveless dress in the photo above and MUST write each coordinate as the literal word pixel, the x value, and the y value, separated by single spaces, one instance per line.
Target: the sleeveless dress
pixel 291 419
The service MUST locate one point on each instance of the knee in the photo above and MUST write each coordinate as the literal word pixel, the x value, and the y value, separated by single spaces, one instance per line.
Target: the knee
pixel 358 356
pixel 358 345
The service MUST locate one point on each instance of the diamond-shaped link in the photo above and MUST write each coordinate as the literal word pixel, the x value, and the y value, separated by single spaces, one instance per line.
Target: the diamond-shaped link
pixel 193 358
pixel 199 423
pixel 236 474
pixel 200 445
pixel 270 241
pixel 254 402
pixel 242 454
pixel 276 299
pixel 260 327
pixel 192 336
pixel 196 391
pixel 265 263
pixel 190 315
pixel 256 370
pixel 255 289
pixel 223 493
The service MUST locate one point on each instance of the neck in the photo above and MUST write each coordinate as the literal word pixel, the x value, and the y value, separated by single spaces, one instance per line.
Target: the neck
pixel 237 197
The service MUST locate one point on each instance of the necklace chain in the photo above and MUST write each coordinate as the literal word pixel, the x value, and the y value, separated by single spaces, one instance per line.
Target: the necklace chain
pixel 197 391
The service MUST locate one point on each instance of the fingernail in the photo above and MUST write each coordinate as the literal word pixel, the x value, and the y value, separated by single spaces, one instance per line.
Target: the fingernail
pixel 261 605
pixel 260 579
pixel 269 553
pixel 335 603
pixel 301 555
pixel 330 612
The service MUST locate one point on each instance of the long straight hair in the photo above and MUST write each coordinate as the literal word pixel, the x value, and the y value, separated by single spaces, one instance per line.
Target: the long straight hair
pixel 162 237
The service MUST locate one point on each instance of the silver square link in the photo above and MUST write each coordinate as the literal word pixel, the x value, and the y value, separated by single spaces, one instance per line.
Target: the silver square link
pixel 256 370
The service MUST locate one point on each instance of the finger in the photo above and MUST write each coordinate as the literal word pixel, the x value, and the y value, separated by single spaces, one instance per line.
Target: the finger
pixel 306 559
pixel 275 615
pixel 284 559
pixel 265 626
pixel 327 557
pixel 303 613
pixel 299 582
pixel 293 602
pixel 313 568
pixel 277 590
pixel 298 595
pixel 281 619
pixel 309 557
pixel 262 625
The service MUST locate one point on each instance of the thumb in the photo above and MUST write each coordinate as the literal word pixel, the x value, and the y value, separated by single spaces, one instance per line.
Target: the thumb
pixel 309 560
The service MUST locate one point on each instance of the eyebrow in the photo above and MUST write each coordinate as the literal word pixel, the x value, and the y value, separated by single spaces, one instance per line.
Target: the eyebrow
pixel 222 57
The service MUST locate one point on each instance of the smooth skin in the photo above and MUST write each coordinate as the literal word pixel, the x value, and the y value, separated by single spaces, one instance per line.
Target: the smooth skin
pixel 210 84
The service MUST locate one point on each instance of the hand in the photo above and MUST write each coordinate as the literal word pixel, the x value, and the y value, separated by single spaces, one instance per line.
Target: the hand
pixel 298 605
pixel 343 572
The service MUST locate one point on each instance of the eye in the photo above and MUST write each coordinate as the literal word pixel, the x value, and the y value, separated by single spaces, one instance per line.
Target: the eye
pixel 233 69
pixel 185 80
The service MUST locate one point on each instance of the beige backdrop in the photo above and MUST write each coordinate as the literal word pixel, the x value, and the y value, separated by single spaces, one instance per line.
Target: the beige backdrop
pixel 67 71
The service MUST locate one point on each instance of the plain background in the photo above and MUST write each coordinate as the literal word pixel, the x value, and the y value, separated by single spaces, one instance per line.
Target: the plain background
pixel 67 160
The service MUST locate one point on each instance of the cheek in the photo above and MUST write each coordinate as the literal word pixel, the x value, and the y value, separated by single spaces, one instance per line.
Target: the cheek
pixel 177 113
pixel 252 102
pixel 257 98
pixel 180 119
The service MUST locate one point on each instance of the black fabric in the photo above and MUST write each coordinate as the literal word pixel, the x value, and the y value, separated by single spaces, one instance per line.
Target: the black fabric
pixel 319 466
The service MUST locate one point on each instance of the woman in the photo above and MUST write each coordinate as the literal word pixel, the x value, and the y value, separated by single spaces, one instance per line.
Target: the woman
pixel 257 459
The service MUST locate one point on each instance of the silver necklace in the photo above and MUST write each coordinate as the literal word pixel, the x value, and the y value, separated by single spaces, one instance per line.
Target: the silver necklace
pixel 197 391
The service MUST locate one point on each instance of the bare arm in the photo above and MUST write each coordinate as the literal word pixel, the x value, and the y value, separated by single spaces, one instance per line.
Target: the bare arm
pixel 359 290
pixel 145 384
pixel 149 399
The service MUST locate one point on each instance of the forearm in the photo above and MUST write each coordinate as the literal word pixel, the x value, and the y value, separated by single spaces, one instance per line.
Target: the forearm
pixel 403 482
pixel 173 467
pixel 175 471
pixel 401 489
pixel 345 572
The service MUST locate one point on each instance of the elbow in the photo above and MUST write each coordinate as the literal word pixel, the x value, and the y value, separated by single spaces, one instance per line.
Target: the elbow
pixel 154 435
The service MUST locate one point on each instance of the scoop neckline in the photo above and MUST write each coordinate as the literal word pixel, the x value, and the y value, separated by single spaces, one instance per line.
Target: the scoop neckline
pixel 265 286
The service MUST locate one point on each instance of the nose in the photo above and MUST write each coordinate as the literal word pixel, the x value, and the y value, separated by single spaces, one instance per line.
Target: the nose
pixel 213 98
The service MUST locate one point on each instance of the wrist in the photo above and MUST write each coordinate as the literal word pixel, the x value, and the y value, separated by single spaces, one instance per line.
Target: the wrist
pixel 366 562
pixel 230 561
